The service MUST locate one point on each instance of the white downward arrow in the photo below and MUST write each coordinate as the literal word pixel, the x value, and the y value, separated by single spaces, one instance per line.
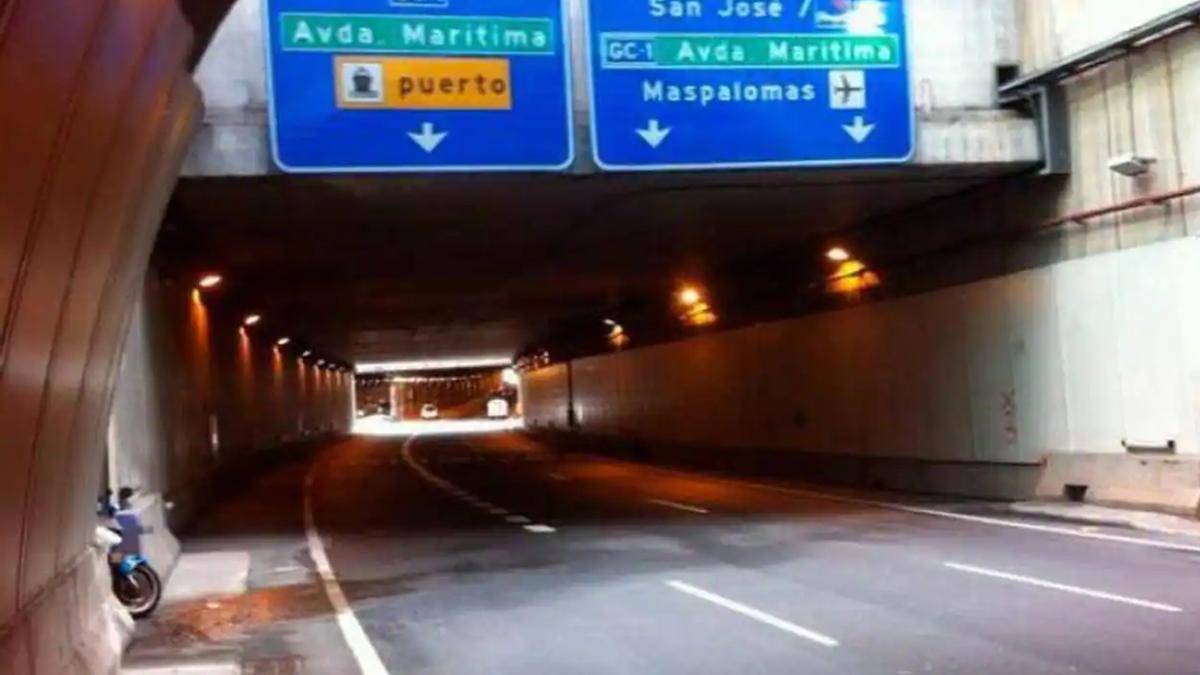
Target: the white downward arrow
pixel 653 134
pixel 859 130
pixel 428 139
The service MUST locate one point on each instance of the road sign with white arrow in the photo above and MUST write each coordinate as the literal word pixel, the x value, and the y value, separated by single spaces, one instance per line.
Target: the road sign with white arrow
pixel 724 84
pixel 420 85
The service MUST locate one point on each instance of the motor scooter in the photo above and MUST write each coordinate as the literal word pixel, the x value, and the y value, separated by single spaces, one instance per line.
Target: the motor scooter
pixel 135 583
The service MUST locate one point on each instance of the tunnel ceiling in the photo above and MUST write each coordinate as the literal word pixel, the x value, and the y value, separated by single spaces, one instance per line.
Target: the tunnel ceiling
pixel 370 268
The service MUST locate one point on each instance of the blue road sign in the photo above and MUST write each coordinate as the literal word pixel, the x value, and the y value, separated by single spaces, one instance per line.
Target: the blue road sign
pixel 718 84
pixel 419 85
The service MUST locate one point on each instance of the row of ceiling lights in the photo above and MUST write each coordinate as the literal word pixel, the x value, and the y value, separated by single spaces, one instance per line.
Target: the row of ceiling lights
pixel 696 309
pixel 213 280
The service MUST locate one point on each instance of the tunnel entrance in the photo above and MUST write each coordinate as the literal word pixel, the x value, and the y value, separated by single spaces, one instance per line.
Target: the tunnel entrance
pixel 233 273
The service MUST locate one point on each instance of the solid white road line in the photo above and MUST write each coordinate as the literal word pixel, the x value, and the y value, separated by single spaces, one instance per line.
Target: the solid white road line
pixel 1042 583
pixel 936 513
pixel 677 505
pixel 356 638
pixel 757 615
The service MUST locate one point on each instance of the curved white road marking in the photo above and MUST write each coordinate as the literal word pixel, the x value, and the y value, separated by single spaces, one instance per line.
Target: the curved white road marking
pixel 757 615
pixel 356 638
pixel 1042 583
pixel 455 491
pixel 936 513
pixel 677 506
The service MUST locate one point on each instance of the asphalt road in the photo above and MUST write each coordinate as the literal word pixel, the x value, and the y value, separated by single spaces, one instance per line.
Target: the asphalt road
pixel 492 554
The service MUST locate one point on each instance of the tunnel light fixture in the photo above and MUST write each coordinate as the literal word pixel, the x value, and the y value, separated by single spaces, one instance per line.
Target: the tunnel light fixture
pixel 283 341
pixel 1131 165
pixel 320 362
pixel 251 319
pixel 209 281
pixel 697 311
pixel 852 277
pixel 837 254
pixel 307 353
pixel 701 314
pixel 690 296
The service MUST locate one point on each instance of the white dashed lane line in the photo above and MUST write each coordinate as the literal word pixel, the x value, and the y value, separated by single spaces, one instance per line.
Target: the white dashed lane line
pixel 1054 586
pixel 466 497
pixel 756 614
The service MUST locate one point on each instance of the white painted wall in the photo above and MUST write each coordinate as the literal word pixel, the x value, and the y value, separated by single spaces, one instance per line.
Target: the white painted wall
pixel 1144 104
pixel 1072 358
pixel 1054 29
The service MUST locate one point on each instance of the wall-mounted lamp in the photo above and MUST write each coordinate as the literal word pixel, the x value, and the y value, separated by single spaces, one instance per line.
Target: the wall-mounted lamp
pixel 1131 165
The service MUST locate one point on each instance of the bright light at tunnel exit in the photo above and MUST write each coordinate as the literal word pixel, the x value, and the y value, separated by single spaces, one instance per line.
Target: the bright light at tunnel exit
pixel 510 376
pixel 433 365
pixel 378 425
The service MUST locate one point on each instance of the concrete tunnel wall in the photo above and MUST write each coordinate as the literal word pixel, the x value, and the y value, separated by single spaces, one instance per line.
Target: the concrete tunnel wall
pixel 97 116
pixel 1000 369
pixel 195 395
pixel 962 390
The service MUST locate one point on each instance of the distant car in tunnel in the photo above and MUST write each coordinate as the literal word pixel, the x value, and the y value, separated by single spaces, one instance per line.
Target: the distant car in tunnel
pixel 497 408
pixel 429 411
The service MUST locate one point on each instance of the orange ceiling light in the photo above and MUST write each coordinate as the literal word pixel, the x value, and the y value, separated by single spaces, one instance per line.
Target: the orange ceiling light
pixel 838 254
pixel 690 296
pixel 210 281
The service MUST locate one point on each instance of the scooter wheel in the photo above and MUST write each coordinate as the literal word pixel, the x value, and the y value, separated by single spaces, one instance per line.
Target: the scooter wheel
pixel 139 592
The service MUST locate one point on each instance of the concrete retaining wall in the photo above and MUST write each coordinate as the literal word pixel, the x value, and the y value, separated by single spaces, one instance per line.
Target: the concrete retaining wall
pixel 1082 357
